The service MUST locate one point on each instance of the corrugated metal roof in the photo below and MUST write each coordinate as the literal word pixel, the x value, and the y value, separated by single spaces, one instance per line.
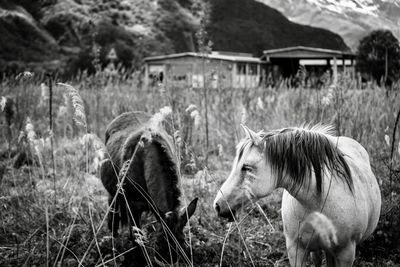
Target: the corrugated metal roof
pixel 315 50
pixel 240 57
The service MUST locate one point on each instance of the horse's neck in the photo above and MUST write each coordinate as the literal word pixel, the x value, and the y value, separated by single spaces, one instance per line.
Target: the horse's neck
pixel 307 195
pixel 159 181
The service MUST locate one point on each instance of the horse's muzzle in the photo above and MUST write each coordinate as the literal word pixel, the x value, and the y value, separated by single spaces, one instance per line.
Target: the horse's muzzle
pixel 228 213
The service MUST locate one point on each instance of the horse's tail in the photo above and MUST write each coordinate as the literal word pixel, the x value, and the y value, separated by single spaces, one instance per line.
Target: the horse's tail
pixel 320 227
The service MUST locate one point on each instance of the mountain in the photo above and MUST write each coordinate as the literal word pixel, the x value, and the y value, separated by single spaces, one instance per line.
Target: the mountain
pixel 351 19
pixel 63 35
pixel 17 30
pixel 250 26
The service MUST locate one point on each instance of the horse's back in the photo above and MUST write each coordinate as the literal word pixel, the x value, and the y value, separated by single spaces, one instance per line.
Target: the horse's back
pixel 133 120
pixel 350 147
pixel 118 130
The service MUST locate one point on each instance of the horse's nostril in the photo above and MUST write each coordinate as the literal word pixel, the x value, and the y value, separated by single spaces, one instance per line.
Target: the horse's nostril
pixel 217 208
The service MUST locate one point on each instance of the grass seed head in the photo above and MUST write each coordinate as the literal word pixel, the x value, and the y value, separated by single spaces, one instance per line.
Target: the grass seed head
pixel 24 75
pixel 387 140
pixel 177 138
pixel 260 103
pixel 3 103
pixel 77 103
pixel 30 131
pixel 158 118
pixel 196 118
pixel 190 108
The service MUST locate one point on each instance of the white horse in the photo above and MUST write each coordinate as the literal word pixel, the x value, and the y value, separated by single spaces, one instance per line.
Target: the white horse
pixel 331 200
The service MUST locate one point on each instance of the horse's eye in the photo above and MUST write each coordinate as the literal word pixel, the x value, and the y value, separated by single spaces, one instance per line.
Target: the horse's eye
pixel 247 168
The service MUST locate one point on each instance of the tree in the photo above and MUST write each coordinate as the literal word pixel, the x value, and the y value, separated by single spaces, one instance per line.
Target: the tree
pixel 379 56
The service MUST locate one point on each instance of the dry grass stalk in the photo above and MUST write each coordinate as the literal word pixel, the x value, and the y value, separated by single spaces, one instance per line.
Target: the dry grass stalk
pixel 265 216
pixel 223 244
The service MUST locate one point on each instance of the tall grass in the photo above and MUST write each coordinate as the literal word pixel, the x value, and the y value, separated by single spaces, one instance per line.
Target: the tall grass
pixel 71 231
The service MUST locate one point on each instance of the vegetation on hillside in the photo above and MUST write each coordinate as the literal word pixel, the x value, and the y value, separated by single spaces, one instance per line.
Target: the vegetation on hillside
pixel 64 31
pixel 58 36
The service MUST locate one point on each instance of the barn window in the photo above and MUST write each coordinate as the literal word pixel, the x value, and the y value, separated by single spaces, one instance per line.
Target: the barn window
pixel 253 69
pixel 181 77
pixel 241 68
pixel 156 74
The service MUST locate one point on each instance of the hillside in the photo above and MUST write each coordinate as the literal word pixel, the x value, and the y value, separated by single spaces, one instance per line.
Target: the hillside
pixel 251 26
pixel 353 19
pixel 59 35
pixel 63 32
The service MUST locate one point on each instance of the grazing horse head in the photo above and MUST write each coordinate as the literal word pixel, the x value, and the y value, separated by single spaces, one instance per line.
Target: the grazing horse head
pixel 331 200
pixel 170 240
pixel 250 177
pixel 148 180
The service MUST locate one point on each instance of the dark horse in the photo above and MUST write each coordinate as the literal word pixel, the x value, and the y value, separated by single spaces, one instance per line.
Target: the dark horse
pixel 150 184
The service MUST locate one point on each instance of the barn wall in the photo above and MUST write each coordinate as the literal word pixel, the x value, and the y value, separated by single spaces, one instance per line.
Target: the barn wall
pixel 188 71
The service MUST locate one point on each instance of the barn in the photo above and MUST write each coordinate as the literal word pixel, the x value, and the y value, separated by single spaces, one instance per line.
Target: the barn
pixel 285 62
pixel 242 70
pixel 217 69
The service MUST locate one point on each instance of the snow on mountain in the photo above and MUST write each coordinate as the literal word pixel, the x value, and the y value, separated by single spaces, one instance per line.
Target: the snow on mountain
pixel 341 6
pixel 352 19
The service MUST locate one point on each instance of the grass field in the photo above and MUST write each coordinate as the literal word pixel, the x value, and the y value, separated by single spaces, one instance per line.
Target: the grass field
pixel 51 210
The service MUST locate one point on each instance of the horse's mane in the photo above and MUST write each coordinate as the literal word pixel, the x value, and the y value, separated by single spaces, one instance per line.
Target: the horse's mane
pixel 294 153
pixel 163 166
pixel 168 164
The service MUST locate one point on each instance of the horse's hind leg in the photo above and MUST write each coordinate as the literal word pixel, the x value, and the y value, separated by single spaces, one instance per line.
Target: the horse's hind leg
pixel 344 258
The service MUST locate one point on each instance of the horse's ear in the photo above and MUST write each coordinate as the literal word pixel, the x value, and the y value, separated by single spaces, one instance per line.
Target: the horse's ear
pixel 246 130
pixel 187 212
pixel 255 137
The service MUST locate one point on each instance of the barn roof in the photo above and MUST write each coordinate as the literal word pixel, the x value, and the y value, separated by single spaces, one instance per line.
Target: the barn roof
pixel 306 52
pixel 228 56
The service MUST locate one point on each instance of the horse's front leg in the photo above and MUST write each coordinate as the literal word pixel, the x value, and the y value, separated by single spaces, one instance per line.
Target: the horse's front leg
pixel 345 257
pixel 297 253
pixel 113 217
pixel 110 180
pixel 316 257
